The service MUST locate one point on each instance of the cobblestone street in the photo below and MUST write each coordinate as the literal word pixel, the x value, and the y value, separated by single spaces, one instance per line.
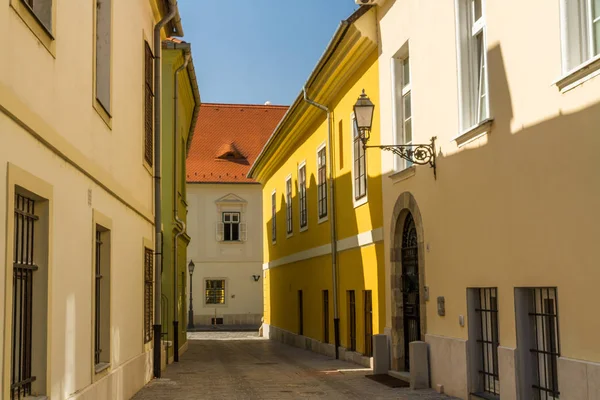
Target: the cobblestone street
pixel 241 365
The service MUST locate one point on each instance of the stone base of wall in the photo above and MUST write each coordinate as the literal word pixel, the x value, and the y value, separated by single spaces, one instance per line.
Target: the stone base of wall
pixel 122 383
pixel 578 380
pixel 314 345
pixel 230 319
pixel 448 363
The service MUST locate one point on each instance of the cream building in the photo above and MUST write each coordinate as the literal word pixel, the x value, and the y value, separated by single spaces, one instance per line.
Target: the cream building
pixel 76 197
pixel 225 213
pixel 505 236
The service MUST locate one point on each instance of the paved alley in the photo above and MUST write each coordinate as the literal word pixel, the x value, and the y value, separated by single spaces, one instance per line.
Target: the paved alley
pixel 241 365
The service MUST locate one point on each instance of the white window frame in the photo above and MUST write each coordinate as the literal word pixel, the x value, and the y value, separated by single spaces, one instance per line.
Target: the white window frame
pixel 274 216
pixel 399 120
pixel 289 207
pixel 353 135
pixel 470 91
pixel 326 217
pixel 232 214
pixel 302 199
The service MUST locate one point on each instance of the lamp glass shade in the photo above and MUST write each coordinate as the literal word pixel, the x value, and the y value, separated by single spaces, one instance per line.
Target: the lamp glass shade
pixel 363 112
pixel 191 267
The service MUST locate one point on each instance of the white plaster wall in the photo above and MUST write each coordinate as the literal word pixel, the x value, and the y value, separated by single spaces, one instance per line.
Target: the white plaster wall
pixel 235 262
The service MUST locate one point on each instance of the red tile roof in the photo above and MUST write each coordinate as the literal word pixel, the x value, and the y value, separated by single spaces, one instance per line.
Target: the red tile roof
pixel 238 129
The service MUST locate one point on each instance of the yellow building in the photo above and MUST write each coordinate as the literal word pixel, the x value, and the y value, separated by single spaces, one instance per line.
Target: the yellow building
pixel 322 206
pixel 77 208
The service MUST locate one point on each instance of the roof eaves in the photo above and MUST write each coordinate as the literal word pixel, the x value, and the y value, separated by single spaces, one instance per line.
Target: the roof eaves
pixel 335 41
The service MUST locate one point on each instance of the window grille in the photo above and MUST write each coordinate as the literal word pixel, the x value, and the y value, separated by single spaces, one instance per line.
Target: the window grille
pixel 22 308
pixel 487 314
pixel 322 182
pixel 97 313
pixel 300 313
pixel 215 291
pixel 325 316
pixel 546 345
pixel 368 323
pixel 148 293
pixel 352 319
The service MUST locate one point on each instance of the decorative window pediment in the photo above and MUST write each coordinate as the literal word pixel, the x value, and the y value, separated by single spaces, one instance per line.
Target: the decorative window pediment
pixel 231 199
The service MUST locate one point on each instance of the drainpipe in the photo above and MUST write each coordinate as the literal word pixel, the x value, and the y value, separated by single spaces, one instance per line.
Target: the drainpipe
pixel 332 224
pixel 157 188
pixel 181 224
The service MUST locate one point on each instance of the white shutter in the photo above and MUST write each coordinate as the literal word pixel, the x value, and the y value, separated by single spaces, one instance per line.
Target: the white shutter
pixel 243 232
pixel 219 231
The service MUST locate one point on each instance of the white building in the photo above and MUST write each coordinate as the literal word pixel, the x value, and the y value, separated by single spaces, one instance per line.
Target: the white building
pixel 225 212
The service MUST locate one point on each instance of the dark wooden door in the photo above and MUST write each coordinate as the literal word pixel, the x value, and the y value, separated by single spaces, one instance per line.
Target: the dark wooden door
pixel 410 286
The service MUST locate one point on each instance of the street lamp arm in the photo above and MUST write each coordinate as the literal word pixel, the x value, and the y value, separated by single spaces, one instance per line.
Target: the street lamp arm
pixel 420 154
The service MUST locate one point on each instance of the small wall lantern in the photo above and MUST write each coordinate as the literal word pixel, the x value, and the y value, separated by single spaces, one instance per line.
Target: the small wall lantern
pixel 256 277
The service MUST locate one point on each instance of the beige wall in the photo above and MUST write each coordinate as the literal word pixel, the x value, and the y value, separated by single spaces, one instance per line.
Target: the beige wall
pixel 516 207
pixel 234 262
pixel 55 144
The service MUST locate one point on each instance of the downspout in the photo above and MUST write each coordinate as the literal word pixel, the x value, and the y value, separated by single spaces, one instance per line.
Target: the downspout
pixel 181 224
pixel 332 225
pixel 157 188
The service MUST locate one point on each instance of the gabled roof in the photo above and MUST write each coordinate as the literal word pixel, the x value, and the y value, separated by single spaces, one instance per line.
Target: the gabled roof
pixel 227 140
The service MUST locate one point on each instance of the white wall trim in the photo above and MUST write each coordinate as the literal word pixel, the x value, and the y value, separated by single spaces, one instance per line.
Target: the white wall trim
pixel 352 242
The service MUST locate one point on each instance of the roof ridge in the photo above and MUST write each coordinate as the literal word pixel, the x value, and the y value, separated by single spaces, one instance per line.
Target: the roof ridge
pixel 232 105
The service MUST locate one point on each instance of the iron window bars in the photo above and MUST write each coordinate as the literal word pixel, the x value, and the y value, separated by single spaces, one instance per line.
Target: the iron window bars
pixel 231 226
pixel 322 183
pixel 97 316
pixel 288 206
pixel 215 291
pixel 352 319
pixel 544 321
pixel 487 314
pixel 302 196
pixel 148 293
pixel 22 313
pixel 325 316
pixel 300 313
pixel 368 323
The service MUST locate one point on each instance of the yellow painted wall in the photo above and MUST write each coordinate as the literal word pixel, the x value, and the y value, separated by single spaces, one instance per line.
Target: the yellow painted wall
pixel 359 268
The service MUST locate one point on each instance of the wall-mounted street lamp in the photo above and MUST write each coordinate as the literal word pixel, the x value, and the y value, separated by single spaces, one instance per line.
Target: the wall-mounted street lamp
pixel 191 267
pixel 256 277
pixel 421 154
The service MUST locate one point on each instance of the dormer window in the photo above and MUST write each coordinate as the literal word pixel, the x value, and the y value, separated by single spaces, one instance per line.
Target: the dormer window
pixel 230 152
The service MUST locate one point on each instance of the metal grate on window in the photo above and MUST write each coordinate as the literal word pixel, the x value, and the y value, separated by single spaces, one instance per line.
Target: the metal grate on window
pixel 352 319
pixel 215 291
pixel 148 293
pixel 97 314
pixel 322 183
pixel 149 106
pixel 544 320
pixel 325 316
pixel 368 323
pixel 22 312
pixel 487 314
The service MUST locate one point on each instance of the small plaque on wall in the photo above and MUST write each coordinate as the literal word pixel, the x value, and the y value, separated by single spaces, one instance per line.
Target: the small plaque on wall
pixel 441 303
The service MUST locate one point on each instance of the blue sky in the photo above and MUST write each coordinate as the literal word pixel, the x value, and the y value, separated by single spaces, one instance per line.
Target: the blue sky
pixel 251 51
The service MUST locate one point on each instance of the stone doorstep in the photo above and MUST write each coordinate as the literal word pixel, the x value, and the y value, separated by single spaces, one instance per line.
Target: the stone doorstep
pixel 402 375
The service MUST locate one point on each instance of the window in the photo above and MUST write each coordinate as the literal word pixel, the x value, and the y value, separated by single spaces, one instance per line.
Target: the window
pixel 42 10
pixel 215 291
pixel 302 196
pixel 359 171
pixel 102 299
pixel 325 316
pixel 402 105
pixel 483 314
pixel 231 222
pixel 351 320
pixel 103 53
pixel 538 341
pixel 149 106
pixel 300 313
pixel 581 31
pixel 473 77
pixel 322 182
pixel 288 206
pixel 273 217
pixel 148 293
pixel 368 323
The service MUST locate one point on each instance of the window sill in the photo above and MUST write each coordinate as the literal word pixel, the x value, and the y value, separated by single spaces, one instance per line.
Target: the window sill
pixel 98 368
pixel 104 115
pixel 324 219
pixel 231 241
pixel 403 174
pixel 289 235
pixel 303 228
pixel 215 305
pixel 579 75
pixel 360 202
pixel 474 132
pixel 43 34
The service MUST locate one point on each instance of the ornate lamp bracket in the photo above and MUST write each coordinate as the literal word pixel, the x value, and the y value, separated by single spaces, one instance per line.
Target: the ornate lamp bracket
pixel 420 154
